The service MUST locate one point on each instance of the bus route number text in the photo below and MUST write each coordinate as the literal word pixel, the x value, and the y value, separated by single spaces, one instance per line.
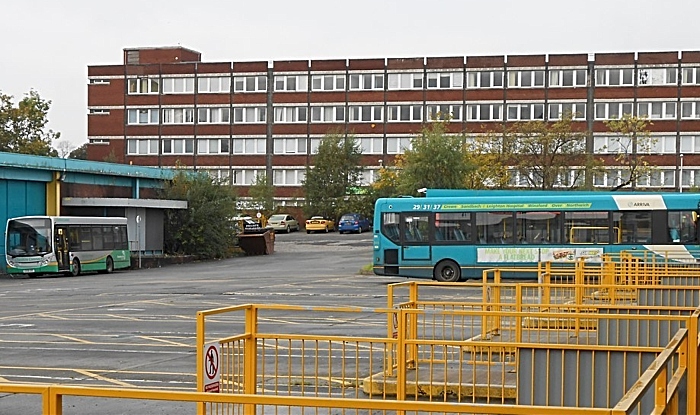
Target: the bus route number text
pixel 427 207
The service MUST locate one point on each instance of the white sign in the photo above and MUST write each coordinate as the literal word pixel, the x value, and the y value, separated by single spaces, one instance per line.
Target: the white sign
pixel 518 254
pixel 212 367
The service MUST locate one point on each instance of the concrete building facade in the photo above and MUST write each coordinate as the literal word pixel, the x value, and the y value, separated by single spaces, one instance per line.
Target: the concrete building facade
pixel 235 120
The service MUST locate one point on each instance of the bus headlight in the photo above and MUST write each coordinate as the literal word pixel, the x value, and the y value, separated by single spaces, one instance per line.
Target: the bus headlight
pixel 44 262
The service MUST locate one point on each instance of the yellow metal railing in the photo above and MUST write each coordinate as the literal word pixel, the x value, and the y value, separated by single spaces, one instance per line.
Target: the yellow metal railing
pixel 439 355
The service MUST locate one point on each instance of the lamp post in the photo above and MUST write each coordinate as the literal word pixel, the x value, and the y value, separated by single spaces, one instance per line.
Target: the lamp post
pixel 680 178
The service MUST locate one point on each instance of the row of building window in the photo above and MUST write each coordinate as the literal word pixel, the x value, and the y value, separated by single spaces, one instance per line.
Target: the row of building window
pixel 416 80
pixel 608 179
pixel 612 177
pixel 253 146
pixel 656 110
pixel 280 177
pixel 688 144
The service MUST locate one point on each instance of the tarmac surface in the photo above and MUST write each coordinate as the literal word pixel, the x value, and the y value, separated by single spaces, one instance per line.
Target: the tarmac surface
pixel 137 328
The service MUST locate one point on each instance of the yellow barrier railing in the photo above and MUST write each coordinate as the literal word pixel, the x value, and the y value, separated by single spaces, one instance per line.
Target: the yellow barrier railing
pixel 54 394
pixel 451 361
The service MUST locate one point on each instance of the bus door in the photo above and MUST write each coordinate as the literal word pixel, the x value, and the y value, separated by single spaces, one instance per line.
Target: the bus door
pixel 415 227
pixel 61 246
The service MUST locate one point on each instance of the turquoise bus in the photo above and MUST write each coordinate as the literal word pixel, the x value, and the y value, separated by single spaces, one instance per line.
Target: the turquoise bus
pixel 455 234
pixel 66 244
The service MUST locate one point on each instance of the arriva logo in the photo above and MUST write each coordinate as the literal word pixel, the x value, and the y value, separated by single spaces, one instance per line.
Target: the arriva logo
pixel 639 204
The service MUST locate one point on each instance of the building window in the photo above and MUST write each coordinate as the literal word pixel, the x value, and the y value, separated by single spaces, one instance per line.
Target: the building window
pixel 657 110
pixel 215 84
pixel 249 115
pixel 99 81
pixel 398 145
pixel 141 147
pixel 99 111
pixel 217 175
pixel 405 81
pixel 143 116
pixel 614 77
pixel 658 178
pixel 657 76
pixel 485 112
pixel 290 115
pixel 368 176
pixel 178 116
pixel 291 83
pixel 525 79
pixel 144 86
pixel 328 82
pixel 213 115
pixel 690 76
pixel 246 177
pixel 371 145
pixel 178 85
pixel 445 80
pixel 288 177
pixel 690 144
pixel 328 114
pixel 612 145
pixel 656 145
pixel 576 109
pixel 290 145
pixel 612 110
pixel 525 112
pixel 404 113
pixel 690 109
pixel 567 78
pixel 690 178
pixel 485 79
pixel 178 146
pixel 366 113
pixel 253 83
pixel 249 146
pixel 444 112
pixel 366 81
pixel 213 146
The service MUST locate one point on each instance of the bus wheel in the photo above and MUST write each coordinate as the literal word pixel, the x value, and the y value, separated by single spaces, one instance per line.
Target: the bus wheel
pixel 75 269
pixel 447 271
pixel 109 268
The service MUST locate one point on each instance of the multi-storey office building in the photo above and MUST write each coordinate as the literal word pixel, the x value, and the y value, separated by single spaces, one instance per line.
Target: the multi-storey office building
pixel 164 106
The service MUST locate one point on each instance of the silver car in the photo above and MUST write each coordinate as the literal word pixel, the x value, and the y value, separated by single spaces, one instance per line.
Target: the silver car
pixel 282 222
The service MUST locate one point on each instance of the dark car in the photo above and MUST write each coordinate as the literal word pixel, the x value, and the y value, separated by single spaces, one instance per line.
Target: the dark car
pixel 353 222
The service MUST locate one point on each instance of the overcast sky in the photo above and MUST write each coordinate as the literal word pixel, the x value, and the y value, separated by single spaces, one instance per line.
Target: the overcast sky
pixel 47 45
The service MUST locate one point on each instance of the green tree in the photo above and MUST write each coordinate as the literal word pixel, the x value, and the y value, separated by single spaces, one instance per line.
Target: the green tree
pixel 23 127
pixel 262 195
pixel 548 154
pixel 486 153
pixel 206 228
pixel 632 140
pixel 334 176
pixel 436 160
pixel 79 153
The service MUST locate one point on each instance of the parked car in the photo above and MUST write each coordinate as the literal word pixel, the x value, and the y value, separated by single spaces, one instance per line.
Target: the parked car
pixel 353 222
pixel 282 222
pixel 319 224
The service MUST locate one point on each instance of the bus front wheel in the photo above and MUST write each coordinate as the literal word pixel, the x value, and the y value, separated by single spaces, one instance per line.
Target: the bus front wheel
pixel 75 269
pixel 447 271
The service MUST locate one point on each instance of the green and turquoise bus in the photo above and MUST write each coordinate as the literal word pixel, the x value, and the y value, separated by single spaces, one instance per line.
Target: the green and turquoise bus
pixel 456 234
pixel 66 244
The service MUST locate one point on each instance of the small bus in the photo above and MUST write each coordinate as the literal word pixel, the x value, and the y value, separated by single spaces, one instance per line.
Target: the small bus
pixel 37 245
pixel 450 235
